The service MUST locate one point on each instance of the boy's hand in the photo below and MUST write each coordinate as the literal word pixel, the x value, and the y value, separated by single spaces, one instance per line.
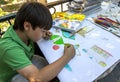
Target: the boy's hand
pixel 69 50
pixel 47 35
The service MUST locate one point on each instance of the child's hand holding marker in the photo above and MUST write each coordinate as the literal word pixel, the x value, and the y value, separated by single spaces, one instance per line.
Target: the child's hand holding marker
pixel 69 50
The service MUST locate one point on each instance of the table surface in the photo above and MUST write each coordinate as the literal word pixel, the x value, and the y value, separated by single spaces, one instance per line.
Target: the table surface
pixel 96 51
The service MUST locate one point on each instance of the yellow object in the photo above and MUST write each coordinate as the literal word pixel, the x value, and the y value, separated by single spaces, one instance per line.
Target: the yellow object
pixel 68 16
pixel 64 25
pixel 103 64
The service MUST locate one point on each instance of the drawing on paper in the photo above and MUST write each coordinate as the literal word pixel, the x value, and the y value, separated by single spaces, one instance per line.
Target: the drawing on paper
pixel 68 35
pixel 55 47
pixel 57 39
pixel 98 55
pixel 67 66
pixel 101 52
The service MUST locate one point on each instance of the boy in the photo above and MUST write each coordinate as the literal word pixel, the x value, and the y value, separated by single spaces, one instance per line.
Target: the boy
pixel 32 23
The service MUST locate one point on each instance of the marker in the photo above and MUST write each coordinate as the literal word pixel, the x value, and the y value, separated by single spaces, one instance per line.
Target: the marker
pixel 68 45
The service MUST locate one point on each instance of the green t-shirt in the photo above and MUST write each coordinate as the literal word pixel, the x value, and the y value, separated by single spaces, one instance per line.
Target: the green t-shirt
pixel 14 54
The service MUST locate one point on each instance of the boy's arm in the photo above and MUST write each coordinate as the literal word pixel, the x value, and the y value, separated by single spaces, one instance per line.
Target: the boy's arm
pixel 50 71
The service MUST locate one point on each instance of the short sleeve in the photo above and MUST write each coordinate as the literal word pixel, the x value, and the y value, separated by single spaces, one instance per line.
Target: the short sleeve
pixel 16 59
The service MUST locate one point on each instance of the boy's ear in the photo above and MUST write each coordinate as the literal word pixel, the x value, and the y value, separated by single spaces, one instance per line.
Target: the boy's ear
pixel 27 25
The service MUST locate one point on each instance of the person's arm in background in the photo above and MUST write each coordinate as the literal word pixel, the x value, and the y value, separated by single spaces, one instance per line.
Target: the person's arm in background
pixel 49 72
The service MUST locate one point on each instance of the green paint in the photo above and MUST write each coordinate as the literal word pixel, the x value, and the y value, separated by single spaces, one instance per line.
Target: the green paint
pixel 57 39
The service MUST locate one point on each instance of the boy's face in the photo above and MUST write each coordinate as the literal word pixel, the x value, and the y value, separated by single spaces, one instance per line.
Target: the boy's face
pixel 34 35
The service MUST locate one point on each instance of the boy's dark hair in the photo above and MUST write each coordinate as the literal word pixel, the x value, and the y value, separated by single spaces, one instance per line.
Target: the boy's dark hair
pixel 35 13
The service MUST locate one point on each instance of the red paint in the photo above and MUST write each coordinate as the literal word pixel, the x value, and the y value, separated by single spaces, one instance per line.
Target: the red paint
pixel 56 47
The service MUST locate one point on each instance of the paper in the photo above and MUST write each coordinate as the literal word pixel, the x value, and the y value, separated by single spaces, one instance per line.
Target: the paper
pixel 95 53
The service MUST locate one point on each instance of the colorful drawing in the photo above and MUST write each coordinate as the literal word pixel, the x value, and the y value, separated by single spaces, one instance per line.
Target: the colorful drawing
pixel 67 66
pixel 97 55
pixel 101 52
pixel 57 39
pixel 68 35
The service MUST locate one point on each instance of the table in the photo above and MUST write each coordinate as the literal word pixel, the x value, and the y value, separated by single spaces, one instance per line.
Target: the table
pixel 96 51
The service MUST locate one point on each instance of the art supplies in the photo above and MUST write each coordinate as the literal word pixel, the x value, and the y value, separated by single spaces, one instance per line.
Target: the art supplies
pixel 67 21
pixel 67 25
pixel 107 24
pixel 109 21
pixel 69 16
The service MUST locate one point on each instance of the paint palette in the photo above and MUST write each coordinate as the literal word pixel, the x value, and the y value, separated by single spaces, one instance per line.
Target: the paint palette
pixel 67 25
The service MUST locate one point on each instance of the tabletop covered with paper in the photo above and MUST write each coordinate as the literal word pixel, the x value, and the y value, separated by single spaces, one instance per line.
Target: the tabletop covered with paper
pixel 96 51
pixel 97 47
